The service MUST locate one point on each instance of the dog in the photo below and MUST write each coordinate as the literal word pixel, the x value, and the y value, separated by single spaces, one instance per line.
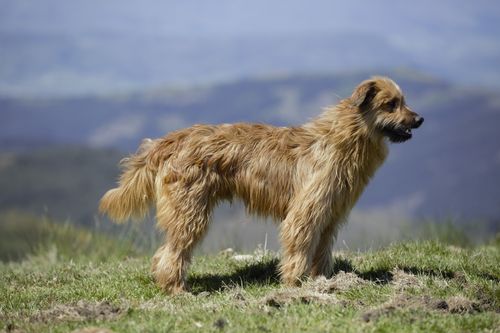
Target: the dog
pixel 307 178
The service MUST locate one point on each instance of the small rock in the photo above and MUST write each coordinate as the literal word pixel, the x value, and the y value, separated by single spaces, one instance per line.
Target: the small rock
pixel 203 294
pixel 227 252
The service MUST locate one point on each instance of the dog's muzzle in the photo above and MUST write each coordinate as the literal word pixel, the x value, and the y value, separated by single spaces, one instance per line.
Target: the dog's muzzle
pixel 400 133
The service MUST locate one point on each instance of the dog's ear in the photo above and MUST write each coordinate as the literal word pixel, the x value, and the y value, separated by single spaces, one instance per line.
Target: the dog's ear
pixel 364 93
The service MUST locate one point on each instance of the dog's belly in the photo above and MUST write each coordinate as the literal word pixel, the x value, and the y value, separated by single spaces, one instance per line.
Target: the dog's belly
pixel 266 195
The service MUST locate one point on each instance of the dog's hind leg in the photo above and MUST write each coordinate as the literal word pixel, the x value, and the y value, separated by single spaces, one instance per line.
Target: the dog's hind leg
pixel 169 268
pixel 184 216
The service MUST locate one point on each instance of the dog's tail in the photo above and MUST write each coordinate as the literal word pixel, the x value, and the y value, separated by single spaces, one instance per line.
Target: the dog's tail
pixel 135 193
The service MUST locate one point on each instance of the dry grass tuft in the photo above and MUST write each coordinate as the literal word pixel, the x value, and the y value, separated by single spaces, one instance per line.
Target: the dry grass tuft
pixel 461 304
pixel 342 281
pixel 403 281
pixel 297 295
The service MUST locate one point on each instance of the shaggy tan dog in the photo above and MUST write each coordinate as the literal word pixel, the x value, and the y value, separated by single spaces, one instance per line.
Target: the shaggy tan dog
pixel 306 177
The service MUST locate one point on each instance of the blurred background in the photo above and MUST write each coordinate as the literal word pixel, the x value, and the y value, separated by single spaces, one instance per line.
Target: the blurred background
pixel 83 81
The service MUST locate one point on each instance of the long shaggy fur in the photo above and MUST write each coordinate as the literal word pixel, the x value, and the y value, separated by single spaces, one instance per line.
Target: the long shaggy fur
pixel 133 197
pixel 307 178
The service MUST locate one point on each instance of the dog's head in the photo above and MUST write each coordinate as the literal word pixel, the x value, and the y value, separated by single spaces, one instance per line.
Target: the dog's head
pixel 383 106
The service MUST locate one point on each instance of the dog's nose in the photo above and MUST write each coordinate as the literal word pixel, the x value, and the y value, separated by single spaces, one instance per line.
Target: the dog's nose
pixel 418 121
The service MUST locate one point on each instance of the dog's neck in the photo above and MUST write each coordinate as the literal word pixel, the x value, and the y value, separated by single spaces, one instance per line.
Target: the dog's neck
pixel 353 148
pixel 344 123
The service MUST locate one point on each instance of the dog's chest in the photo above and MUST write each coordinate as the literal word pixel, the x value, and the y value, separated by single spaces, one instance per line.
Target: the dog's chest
pixel 351 171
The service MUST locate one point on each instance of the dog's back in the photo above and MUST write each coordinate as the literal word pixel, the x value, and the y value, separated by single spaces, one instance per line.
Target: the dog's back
pixel 219 156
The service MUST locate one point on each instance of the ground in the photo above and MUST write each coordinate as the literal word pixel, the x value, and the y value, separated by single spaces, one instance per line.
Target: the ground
pixel 407 287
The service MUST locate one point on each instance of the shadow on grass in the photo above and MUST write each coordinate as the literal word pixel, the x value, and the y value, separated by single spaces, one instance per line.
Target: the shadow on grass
pixel 446 274
pixel 384 276
pixel 378 276
pixel 259 273
pixel 266 273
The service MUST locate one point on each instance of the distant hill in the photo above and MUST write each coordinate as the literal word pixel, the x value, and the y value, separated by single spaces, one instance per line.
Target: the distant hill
pixel 451 168
pixel 121 120
pixel 61 183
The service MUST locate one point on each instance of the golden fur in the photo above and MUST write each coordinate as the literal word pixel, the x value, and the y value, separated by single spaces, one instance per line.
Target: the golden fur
pixel 308 178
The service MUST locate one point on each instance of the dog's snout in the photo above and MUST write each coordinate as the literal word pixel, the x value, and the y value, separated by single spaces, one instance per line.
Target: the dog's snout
pixel 418 121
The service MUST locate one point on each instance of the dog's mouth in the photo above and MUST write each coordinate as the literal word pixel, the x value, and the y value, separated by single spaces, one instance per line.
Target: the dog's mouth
pixel 397 133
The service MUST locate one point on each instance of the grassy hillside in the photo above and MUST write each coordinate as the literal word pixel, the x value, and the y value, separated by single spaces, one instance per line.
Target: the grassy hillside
pixel 412 287
pixel 23 235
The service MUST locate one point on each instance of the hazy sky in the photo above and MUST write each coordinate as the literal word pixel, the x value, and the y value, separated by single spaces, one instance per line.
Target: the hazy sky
pixel 234 17
pixel 47 45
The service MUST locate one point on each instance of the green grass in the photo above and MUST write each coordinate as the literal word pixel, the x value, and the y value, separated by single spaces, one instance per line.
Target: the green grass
pixel 408 287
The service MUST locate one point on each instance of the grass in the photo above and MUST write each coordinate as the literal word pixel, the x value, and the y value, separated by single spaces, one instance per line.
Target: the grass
pixel 409 287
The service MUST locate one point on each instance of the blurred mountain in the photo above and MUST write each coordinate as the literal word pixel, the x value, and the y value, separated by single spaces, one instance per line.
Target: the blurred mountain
pixel 451 168
pixel 64 183
pixel 56 47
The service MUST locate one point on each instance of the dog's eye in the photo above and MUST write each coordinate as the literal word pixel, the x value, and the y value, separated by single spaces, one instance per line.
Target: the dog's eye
pixel 392 104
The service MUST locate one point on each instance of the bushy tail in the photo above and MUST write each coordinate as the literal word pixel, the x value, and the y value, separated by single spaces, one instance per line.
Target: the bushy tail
pixel 133 196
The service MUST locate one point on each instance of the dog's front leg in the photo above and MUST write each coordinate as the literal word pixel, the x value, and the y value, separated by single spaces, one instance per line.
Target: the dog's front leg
pixel 322 263
pixel 300 236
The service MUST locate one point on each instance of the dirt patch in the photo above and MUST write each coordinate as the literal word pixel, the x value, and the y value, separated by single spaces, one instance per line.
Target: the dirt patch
pixel 456 304
pixel 285 297
pixel 487 302
pixel 81 311
pixel 404 301
pixel 342 281
pixel 318 291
